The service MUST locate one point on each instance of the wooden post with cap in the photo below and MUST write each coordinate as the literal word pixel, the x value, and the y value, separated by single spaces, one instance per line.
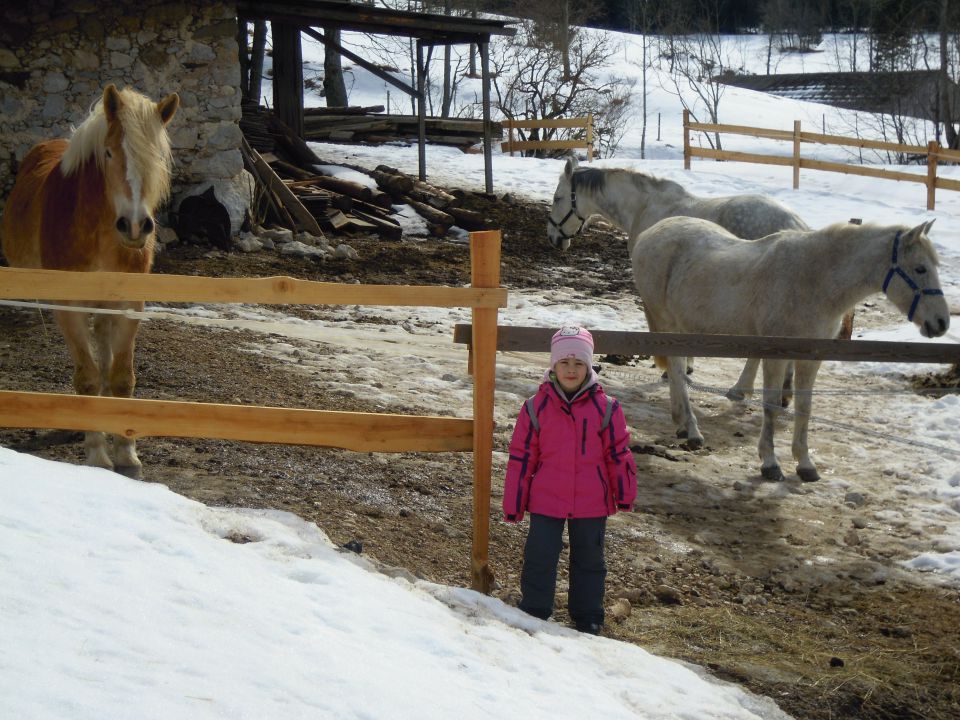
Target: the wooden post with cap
pixel 485 273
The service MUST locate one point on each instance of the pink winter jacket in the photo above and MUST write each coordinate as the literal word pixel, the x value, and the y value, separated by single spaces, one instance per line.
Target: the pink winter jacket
pixel 569 469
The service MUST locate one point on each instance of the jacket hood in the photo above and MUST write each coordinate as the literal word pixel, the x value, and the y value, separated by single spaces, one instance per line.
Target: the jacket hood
pixel 591 380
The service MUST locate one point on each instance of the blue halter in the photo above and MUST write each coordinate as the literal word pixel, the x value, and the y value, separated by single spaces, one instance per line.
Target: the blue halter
pixel 895 269
pixel 572 211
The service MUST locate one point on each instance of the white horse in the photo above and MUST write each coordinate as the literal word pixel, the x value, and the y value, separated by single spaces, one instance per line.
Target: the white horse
pixel 696 277
pixel 635 201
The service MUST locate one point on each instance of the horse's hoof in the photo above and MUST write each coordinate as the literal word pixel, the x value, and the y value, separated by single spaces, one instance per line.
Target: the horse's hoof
pixel 808 474
pixel 695 443
pixel 682 434
pixel 772 473
pixel 784 402
pixel 735 395
pixel 134 472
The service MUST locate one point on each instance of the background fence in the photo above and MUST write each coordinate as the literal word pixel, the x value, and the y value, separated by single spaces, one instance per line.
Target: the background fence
pixel 932 152
pixel 586 142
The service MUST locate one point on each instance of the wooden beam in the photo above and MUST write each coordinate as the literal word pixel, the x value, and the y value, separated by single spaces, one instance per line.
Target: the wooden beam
pixel 136 418
pixel 60 285
pixel 485 273
pixel 622 342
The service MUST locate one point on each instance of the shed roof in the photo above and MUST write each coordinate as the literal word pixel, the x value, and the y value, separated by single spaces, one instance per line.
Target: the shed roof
pixel 429 28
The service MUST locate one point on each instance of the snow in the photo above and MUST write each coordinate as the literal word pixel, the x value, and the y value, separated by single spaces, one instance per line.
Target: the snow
pixel 122 599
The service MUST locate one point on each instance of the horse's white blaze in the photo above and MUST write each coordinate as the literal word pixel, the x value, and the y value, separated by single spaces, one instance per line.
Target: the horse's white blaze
pixel 695 277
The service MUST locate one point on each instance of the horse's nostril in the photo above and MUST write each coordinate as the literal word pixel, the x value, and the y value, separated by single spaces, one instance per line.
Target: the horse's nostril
pixel 123 225
pixel 147 227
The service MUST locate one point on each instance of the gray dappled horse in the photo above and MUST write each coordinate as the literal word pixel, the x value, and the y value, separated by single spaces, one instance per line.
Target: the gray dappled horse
pixel 695 277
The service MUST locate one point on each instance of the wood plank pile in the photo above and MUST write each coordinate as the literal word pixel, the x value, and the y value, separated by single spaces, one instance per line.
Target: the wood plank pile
pixel 294 194
pixel 370 125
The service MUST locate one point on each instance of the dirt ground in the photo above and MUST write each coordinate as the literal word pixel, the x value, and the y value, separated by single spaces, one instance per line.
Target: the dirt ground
pixel 728 580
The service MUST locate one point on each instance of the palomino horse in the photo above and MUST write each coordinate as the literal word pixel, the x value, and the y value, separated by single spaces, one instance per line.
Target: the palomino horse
pixel 695 277
pixel 87 203
pixel 635 201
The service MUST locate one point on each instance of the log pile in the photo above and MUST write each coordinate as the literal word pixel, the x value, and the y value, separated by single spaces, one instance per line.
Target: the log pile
pixel 296 195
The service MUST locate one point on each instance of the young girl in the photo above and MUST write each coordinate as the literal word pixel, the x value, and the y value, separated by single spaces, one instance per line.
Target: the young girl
pixel 570 462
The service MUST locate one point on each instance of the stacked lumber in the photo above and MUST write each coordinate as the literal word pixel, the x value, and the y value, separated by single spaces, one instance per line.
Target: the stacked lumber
pixel 336 125
pixel 299 197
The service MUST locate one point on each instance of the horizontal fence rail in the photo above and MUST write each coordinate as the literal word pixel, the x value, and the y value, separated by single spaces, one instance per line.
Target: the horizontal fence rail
pixel 19 283
pixel 932 152
pixel 136 418
pixel 622 342
pixel 584 123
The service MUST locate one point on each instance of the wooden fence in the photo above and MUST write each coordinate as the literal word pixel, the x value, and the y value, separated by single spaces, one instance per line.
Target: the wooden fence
pixel 933 153
pixel 622 342
pixel 586 142
pixel 373 432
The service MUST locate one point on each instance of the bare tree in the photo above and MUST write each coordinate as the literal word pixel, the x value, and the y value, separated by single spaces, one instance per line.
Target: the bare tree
pixel 641 17
pixel 696 60
pixel 529 83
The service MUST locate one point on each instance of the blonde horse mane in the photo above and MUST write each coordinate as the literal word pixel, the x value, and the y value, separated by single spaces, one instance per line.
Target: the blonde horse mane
pixel 145 142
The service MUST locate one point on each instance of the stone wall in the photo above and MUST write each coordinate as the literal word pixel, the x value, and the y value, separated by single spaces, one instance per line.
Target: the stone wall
pixel 57 55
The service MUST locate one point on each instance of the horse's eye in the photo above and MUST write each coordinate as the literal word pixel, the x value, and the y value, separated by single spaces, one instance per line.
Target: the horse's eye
pixel 109 154
pixel 920 269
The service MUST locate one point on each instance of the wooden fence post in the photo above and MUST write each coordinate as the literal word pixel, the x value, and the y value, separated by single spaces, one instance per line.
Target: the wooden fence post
pixel 590 137
pixel 686 139
pixel 933 148
pixel 796 154
pixel 485 273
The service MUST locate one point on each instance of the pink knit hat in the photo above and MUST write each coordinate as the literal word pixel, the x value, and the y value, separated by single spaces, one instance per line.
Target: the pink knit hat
pixel 571 341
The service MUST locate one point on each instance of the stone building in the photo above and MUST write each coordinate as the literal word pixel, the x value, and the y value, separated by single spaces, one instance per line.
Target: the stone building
pixel 57 55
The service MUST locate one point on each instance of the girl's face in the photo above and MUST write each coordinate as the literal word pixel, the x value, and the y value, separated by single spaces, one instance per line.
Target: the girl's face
pixel 570 373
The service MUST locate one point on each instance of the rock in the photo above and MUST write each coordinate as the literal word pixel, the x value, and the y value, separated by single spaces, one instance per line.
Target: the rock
pixel 620 609
pixel 248 243
pixel 277 235
pixel 345 252
pixel 296 248
pixel 353 546
pixel 854 499
pixel 668 595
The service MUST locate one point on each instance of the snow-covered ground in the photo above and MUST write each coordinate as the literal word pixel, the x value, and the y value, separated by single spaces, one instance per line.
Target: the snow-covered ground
pixel 120 599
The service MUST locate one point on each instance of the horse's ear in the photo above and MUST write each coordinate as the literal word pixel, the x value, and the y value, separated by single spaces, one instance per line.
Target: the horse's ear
pixel 168 107
pixel 111 102
pixel 918 231
pixel 570 166
pixel 929 224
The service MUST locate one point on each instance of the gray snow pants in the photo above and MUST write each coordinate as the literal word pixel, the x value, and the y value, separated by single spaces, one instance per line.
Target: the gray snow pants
pixel 588 570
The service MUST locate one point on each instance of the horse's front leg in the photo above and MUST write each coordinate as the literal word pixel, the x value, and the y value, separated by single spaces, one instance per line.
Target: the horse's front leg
pixel 86 378
pixel 117 336
pixel 773 373
pixel 744 385
pixel 680 409
pixel 806 374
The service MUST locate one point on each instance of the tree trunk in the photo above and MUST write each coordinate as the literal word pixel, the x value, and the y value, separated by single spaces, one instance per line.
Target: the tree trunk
pixel 256 60
pixel 946 107
pixel 334 88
